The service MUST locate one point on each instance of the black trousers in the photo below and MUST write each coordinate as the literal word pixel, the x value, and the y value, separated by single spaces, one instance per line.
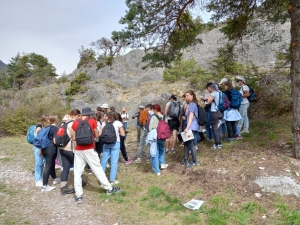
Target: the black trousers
pixel 231 129
pixel 50 154
pixel 67 158
pixel 123 148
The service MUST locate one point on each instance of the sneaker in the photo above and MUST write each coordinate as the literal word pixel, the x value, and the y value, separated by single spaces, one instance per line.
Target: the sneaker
pixel 168 151
pixel 114 182
pixel 71 169
pixel 173 151
pixel 219 146
pixel 113 190
pixel 56 181
pixel 164 166
pixel 214 146
pixel 148 160
pixel 158 174
pixel 47 188
pixel 184 162
pixel 39 183
pixel 57 166
pixel 239 137
pixel 128 162
pixel 245 131
pixel 196 164
pixel 65 190
pixel 79 200
pixel 189 165
pixel 138 160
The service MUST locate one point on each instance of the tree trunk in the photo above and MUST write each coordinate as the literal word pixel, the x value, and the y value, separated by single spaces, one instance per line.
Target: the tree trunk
pixel 294 11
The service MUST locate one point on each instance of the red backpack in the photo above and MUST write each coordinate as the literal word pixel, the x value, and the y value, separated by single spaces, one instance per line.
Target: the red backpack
pixel 163 129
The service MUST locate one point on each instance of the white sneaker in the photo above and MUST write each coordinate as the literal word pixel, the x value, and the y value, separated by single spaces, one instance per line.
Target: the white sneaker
pixel 47 188
pixel 163 166
pixel 114 182
pixel 138 160
pixel 39 183
pixel 71 169
pixel 158 174
pixel 56 181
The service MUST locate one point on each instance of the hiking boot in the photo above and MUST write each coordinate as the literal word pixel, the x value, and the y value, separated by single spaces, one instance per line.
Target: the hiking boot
pixel 47 188
pixel 128 162
pixel 164 166
pixel 65 190
pixel 79 200
pixel 113 190
pixel 56 181
pixel 39 183
pixel 138 160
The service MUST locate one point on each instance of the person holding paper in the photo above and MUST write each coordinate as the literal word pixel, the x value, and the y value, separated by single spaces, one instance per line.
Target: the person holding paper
pixel 190 123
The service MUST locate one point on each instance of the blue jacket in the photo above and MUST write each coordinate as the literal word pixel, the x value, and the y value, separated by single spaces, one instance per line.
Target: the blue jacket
pixel 151 142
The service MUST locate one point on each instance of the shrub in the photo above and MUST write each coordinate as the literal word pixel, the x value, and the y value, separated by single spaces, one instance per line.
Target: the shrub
pixel 77 84
pixel 62 79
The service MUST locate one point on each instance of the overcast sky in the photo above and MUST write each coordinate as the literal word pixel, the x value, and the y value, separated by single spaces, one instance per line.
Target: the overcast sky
pixel 56 29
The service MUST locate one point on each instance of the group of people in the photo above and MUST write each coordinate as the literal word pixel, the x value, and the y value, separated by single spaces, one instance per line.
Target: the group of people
pixel 96 154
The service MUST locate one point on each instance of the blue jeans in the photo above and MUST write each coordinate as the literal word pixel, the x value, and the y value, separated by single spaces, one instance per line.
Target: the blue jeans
pixel 111 151
pixel 159 157
pixel 223 127
pixel 209 132
pixel 125 125
pixel 238 131
pixel 39 164
pixel 244 114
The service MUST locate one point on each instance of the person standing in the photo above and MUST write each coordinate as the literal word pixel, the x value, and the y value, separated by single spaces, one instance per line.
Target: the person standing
pixel 173 123
pixel 190 120
pixel 138 124
pixel 244 105
pixel 86 154
pixel 125 118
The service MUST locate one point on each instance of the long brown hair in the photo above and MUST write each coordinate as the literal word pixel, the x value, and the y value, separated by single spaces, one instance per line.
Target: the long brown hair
pixel 191 92
pixel 228 84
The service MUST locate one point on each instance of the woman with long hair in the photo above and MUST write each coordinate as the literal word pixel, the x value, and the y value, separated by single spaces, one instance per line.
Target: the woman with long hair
pixel 190 123
pixel 50 154
pixel 159 157
pixel 112 150
pixel 38 156
pixel 66 152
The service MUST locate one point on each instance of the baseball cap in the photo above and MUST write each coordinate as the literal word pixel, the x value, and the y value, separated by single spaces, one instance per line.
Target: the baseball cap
pixel 223 80
pixel 241 78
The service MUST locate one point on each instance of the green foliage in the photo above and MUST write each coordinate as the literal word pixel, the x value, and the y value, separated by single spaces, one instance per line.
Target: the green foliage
pixel 23 67
pixel 4 80
pixel 62 79
pixel 187 69
pixel 104 61
pixel 77 84
pixel 86 55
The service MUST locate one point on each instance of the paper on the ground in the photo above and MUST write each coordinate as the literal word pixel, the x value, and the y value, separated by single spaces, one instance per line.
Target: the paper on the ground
pixel 187 136
pixel 193 204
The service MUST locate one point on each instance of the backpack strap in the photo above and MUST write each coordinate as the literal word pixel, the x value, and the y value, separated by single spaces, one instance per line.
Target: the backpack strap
pixel 157 117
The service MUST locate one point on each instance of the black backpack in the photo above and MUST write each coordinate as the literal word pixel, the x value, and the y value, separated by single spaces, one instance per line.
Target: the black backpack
pixel 61 136
pixel 109 135
pixel 174 110
pixel 252 97
pixel 84 133
pixel 202 116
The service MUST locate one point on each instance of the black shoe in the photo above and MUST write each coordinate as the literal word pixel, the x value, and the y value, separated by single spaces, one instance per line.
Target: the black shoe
pixel 184 162
pixel 65 190
pixel 79 200
pixel 113 190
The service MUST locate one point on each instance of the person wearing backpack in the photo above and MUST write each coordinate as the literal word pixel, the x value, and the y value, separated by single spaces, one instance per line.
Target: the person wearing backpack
pixel 216 114
pixel 125 118
pixel 50 154
pixel 84 133
pixel 111 148
pixel 139 126
pixel 67 155
pixel 159 157
pixel 145 131
pixel 101 120
pixel 244 105
pixel 38 156
pixel 191 123
pixel 172 111
pixel 232 115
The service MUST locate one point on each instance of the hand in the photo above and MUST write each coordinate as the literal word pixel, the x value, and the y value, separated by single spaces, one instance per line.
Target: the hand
pixel 202 98
pixel 186 130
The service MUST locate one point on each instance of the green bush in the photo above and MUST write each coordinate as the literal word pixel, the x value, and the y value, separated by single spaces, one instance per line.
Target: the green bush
pixel 77 84
pixel 62 79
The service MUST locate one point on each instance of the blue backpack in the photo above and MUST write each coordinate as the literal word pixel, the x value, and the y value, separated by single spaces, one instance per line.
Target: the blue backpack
pixel 30 134
pixel 41 140
pixel 236 99
pixel 223 102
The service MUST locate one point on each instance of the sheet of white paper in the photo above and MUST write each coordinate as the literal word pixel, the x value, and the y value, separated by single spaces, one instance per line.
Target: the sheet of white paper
pixel 187 136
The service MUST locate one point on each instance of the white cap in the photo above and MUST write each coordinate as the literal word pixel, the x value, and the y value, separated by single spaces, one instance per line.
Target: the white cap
pixel 141 107
pixel 241 78
pixel 223 80
pixel 105 106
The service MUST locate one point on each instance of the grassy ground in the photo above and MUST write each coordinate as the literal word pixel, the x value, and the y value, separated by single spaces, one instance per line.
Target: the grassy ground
pixel 224 180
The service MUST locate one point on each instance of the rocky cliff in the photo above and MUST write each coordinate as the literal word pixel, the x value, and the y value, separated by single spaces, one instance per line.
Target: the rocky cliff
pixel 125 84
